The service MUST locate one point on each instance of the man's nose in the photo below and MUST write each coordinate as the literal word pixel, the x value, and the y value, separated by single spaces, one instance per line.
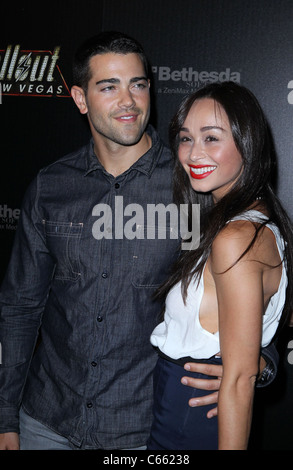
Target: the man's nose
pixel 126 99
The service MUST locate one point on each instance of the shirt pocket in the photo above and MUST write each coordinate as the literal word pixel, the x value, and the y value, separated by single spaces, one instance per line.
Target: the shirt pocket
pixel 156 249
pixel 63 242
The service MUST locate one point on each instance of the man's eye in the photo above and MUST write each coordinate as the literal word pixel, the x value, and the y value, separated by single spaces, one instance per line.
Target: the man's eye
pixel 108 88
pixel 140 86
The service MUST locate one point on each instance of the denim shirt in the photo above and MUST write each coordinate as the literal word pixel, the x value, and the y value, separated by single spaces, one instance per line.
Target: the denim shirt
pixel 76 304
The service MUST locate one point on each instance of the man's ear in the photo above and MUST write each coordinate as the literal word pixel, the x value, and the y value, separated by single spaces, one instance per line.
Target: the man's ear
pixel 78 95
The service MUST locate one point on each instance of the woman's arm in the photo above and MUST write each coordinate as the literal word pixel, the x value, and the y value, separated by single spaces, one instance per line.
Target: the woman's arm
pixel 240 304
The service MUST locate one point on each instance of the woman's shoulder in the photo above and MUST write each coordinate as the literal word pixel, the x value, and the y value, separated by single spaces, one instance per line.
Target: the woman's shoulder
pixel 236 232
pixel 241 239
pixel 242 227
pixel 232 241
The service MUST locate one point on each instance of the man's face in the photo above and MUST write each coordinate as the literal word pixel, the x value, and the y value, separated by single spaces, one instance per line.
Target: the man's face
pixel 117 101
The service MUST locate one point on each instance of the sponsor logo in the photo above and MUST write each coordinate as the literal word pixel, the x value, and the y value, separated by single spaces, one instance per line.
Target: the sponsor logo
pixel 31 73
pixel 8 217
pixel 188 80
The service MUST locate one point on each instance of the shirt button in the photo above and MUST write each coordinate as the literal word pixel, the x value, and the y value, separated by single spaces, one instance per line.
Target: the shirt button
pixel 94 364
pixel 99 318
pixel 117 185
pixel 104 275
pixel 89 405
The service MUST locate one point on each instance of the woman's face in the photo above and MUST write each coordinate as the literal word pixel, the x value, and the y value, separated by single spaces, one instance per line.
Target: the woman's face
pixel 207 150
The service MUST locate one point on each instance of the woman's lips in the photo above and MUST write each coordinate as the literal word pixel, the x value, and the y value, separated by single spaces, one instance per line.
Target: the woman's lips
pixel 199 172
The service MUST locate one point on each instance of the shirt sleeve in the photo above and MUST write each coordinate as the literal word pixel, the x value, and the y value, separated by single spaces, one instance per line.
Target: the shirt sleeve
pixel 23 295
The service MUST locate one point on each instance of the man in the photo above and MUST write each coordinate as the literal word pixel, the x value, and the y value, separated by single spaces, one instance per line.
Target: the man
pixel 78 274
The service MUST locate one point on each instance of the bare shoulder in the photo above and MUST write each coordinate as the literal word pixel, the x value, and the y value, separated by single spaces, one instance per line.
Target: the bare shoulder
pixel 236 230
pixel 234 239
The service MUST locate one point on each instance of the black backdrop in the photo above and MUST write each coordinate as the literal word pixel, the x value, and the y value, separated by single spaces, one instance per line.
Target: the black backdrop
pixel 188 42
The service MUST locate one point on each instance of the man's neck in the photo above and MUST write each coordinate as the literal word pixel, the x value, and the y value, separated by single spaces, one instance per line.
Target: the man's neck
pixel 116 158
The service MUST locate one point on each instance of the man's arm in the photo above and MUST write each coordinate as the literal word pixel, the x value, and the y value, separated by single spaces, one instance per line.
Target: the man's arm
pixel 212 370
pixel 268 370
pixel 22 298
pixel 9 441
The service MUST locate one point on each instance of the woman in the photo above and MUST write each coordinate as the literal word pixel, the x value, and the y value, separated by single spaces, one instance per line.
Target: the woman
pixel 226 299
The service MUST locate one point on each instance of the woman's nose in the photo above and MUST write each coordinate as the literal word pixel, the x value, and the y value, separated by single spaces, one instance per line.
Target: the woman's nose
pixel 197 152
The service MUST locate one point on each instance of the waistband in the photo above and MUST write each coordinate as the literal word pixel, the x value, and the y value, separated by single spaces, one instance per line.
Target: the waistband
pixel 183 360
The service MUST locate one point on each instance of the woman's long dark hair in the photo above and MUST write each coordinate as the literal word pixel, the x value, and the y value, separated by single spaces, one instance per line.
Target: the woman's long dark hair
pixel 252 138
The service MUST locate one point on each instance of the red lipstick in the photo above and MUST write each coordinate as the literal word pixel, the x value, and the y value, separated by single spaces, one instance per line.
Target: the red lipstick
pixel 199 172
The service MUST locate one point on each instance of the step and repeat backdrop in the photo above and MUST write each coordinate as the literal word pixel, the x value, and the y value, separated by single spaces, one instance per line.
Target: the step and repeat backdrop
pixel 188 43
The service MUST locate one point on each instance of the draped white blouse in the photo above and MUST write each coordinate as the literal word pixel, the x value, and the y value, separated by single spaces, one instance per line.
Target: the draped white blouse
pixel 181 334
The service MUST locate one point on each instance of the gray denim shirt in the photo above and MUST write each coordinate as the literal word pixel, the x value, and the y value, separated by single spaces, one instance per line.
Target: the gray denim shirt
pixel 89 290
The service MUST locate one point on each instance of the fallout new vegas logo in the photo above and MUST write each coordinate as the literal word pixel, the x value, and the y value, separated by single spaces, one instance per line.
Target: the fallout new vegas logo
pixel 31 73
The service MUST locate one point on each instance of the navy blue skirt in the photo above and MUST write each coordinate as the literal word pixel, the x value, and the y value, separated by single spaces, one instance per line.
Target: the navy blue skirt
pixel 176 425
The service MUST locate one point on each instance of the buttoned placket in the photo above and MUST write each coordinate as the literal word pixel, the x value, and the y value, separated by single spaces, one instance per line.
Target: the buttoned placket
pixel 106 252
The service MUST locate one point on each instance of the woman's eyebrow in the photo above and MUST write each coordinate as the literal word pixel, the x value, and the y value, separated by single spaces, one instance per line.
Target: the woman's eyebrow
pixel 204 128
pixel 209 128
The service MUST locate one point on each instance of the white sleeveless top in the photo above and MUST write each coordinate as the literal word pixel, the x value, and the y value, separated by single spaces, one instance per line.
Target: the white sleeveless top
pixel 181 334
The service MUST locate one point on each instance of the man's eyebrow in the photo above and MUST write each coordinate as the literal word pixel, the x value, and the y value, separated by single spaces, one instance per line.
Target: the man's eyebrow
pixel 108 80
pixel 117 80
pixel 138 79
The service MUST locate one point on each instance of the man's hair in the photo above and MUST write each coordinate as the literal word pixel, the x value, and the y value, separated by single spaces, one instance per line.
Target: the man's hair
pixel 103 43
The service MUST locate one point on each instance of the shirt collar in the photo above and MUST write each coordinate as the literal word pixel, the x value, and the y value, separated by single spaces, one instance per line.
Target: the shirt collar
pixel 145 164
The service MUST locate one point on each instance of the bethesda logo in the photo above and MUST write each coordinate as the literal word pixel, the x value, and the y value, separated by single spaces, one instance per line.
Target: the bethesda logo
pixel 189 75
pixel 31 73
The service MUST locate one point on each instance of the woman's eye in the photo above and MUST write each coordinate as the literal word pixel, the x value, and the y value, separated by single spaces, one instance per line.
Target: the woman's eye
pixel 211 138
pixel 184 139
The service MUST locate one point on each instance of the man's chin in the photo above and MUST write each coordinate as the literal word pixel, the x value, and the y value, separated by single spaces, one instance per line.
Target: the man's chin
pixel 130 139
